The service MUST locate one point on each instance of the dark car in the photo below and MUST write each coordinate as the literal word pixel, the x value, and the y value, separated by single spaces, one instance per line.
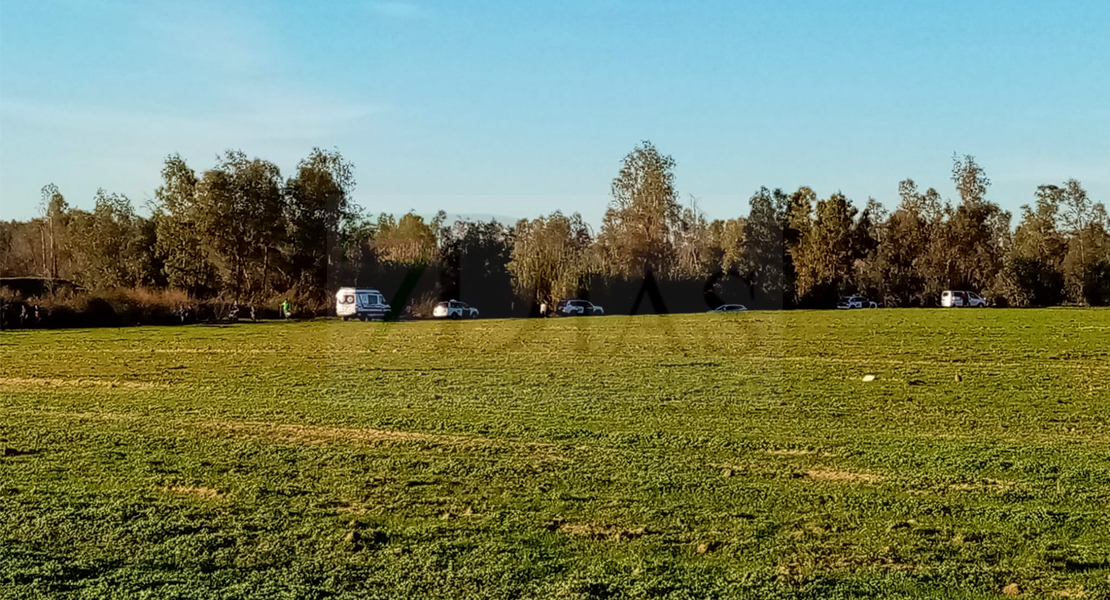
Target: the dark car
pixel 577 308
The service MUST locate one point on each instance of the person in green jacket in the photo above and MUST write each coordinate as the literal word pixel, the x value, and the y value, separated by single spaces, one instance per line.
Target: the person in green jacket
pixel 286 309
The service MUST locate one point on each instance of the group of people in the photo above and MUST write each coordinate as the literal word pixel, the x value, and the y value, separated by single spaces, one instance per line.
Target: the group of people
pixel 189 314
pixel 30 316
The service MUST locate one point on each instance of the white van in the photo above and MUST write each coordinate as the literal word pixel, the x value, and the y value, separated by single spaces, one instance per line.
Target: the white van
pixel 961 299
pixel 361 304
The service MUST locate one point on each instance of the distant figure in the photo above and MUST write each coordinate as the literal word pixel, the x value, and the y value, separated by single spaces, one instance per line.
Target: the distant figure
pixel 183 314
pixel 254 315
pixel 23 316
pixel 286 309
pixel 38 315
pixel 543 309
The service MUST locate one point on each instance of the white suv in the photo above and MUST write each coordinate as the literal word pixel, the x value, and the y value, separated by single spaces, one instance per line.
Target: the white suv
pixel 453 309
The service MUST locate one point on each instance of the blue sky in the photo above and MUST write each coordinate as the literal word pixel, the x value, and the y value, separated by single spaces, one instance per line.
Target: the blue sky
pixel 495 107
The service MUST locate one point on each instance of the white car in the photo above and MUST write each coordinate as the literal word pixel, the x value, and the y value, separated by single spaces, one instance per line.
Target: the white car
pixel 453 309
pixel 857 302
pixel 577 308
pixel 729 308
pixel 961 299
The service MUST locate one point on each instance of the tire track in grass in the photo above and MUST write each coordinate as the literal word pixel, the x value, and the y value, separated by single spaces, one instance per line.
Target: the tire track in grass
pixel 38 382
pixel 281 432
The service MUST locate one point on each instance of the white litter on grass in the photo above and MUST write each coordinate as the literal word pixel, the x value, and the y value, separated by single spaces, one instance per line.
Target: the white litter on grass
pixel 869 378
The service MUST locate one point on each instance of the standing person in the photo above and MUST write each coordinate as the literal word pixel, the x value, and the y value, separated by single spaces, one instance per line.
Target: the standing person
pixel 543 309
pixel 23 316
pixel 286 309
pixel 38 315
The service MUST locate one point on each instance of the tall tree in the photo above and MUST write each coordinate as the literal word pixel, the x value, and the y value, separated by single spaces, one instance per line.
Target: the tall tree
pixel 796 222
pixel 239 214
pixel 868 232
pixel 978 231
pixel 112 246
pixel 1087 262
pixel 475 259
pixel 1032 273
pixel 970 179
pixel 319 215
pixel 730 243
pixel 693 243
pixel 549 260
pixel 827 255
pixel 636 232
pixel 53 210
pixel 900 264
pixel 762 262
pixel 179 245
pixel 408 240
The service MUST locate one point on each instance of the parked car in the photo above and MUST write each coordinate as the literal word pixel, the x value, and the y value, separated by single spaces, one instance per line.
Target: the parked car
pixel 729 308
pixel 962 299
pixel 857 302
pixel 577 308
pixel 454 309
pixel 361 304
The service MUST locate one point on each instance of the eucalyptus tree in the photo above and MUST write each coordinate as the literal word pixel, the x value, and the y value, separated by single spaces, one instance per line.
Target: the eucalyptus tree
pixel 636 232
pixel 320 217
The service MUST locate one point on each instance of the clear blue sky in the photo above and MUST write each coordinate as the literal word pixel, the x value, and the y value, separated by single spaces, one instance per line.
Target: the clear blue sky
pixel 518 108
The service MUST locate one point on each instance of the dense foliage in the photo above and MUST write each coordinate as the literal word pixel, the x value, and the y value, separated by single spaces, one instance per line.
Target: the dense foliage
pixel 242 232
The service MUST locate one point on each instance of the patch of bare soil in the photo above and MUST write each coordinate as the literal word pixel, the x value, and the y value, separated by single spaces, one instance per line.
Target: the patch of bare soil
pixel 319 434
pixel 798 452
pixel 841 476
pixel 76 383
pixel 598 531
pixel 351 507
pixel 206 493
pixel 986 485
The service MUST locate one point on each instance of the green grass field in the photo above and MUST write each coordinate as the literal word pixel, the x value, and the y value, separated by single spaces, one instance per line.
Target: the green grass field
pixel 699 456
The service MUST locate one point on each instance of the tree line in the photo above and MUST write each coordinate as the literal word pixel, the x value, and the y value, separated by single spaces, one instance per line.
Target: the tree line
pixel 241 230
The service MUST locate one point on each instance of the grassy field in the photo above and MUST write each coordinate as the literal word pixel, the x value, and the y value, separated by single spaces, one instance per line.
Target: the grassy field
pixel 700 456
